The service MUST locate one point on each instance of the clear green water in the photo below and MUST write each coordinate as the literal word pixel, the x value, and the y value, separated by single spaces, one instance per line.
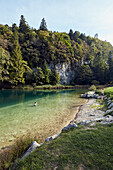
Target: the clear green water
pixel 19 117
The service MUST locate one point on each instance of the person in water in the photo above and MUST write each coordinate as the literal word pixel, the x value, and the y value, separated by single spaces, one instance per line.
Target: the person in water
pixel 102 94
pixel 35 104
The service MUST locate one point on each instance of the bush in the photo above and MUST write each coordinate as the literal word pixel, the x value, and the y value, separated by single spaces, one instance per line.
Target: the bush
pixel 92 87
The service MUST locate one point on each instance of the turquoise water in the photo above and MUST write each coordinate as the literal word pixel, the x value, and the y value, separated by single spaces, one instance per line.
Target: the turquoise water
pixel 19 116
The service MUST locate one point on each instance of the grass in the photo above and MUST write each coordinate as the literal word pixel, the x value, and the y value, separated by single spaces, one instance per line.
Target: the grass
pixel 15 151
pixel 92 149
pixel 109 93
pixel 58 86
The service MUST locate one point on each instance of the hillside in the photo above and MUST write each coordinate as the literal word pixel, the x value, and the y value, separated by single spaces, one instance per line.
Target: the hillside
pixel 31 56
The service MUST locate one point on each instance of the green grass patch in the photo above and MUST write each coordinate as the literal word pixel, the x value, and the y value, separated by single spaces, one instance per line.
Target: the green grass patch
pixel 109 90
pixel 93 149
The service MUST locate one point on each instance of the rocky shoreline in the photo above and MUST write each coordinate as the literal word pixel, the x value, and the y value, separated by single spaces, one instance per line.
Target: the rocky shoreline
pixel 89 114
pixel 89 111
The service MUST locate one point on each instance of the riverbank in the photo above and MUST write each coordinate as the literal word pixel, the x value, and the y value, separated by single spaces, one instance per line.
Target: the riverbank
pixel 89 111
pixel 39 134
pixel 83 147
pixel 45 87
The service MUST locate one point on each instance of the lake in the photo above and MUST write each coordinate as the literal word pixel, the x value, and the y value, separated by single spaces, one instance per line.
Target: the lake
pixel 19 116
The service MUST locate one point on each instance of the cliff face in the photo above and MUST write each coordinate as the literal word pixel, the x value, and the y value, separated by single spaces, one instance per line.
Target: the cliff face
pixel 65 71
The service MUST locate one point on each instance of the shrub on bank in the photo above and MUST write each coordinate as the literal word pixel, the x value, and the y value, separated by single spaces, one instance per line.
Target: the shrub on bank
pixel 92 88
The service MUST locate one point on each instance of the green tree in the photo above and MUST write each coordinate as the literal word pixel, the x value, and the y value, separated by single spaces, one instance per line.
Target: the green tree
pixel 23 26
pixel 76 35
pixel 110 63
pixel 35 76
pixel 17 69
pixel 14 27
pixel 46 72
pixel 54 78
pixel 5 62
pixel 71 34
pixel 84 75
pixel 99 67
pixel 96 35
pixel 43 25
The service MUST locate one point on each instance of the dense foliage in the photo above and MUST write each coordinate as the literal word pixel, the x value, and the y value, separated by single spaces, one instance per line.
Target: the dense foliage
pixel 26 56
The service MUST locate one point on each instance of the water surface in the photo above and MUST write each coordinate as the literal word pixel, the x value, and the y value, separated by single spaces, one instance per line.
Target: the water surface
pixel 19 116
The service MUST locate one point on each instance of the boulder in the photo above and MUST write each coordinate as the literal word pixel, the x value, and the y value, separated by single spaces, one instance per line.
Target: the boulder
pixel 92 114
pixel 33 146
pixel 109 110
pixel 99 97
pixel 99 119
pixel 110 106
pixel 85 122
pixel 107 119
pixel 90 94
pixel 108 102
pixel 51 137
pixel 72 125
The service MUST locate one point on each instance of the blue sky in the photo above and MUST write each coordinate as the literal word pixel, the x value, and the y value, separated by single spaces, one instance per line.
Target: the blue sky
pixel 87 16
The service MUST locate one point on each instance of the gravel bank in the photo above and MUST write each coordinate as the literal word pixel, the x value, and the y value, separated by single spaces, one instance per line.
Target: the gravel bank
pixel 89 111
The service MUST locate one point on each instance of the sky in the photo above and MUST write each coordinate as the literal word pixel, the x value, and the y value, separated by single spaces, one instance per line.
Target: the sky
pixel 86 16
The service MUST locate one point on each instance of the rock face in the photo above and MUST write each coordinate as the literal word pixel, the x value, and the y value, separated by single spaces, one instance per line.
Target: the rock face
pixel 65 71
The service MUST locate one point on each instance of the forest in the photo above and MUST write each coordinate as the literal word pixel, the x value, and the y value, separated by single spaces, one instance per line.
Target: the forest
pixel 26 55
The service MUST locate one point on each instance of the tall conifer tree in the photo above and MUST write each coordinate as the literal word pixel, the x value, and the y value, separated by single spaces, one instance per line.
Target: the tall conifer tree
pixel 110 63
pixel 46 72
pixel 18 67
pixel 23 27
pixel 43 25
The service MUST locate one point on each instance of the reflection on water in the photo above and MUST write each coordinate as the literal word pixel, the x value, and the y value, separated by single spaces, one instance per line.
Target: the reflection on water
pixel 18 116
